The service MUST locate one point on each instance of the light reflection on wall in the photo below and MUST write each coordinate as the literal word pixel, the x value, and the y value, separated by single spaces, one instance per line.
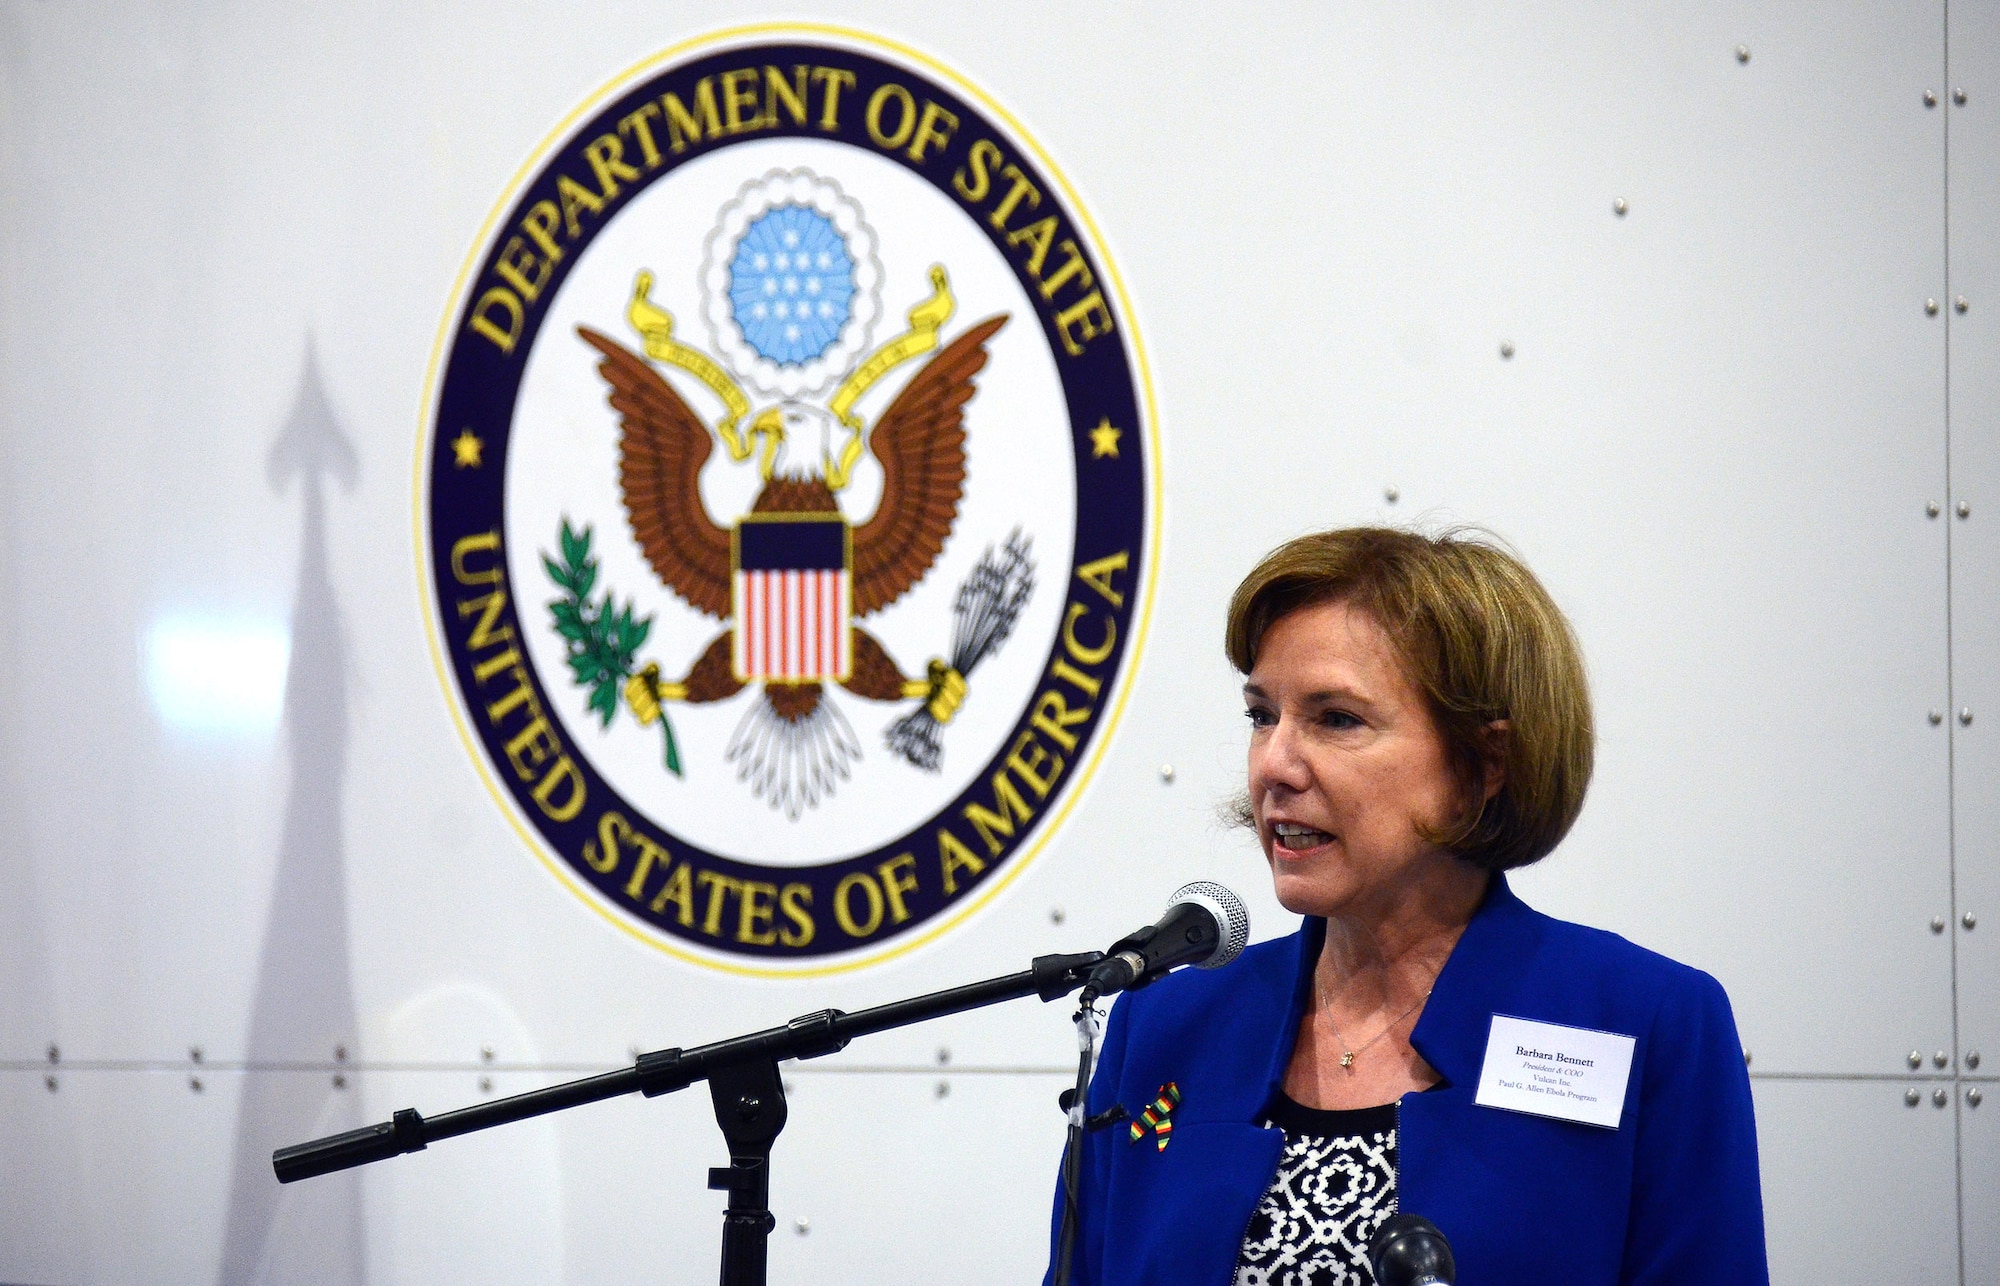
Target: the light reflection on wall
pixel 216 674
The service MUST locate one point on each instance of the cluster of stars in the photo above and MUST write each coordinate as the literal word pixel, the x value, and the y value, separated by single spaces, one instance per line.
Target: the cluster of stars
pixel 790 282
pixel 791 261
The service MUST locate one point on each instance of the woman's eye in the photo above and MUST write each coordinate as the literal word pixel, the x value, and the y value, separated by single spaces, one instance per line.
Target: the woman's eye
pixel 1258 717
pixel 1339 719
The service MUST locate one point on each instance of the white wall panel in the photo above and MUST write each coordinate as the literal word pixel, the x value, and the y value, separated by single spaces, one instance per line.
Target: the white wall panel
pixel 1979 1194
pixel 881 1154
pixel 422 1228
pixel 145 1197
pixel 225 232
pixel 1975 483
pixel 39 1186
pixel 1842 1155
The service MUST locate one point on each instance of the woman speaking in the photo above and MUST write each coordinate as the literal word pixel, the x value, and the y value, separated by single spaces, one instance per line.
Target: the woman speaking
pixel 1563 1105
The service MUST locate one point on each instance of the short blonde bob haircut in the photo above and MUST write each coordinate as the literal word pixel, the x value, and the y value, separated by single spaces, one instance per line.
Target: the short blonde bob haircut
pixel 1482 641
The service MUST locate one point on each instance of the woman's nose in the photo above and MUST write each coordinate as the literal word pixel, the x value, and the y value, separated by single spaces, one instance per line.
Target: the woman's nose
pixel 1276 759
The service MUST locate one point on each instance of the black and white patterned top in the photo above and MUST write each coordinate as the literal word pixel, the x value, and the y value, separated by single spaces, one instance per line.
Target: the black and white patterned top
pixel 1336 1183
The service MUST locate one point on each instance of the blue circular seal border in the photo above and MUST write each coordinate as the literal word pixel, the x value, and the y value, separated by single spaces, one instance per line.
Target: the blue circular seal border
pixel 746 917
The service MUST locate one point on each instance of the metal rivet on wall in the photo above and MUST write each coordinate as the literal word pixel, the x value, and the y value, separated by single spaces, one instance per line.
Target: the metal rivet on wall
pixel 1930 307
pixel 1972 1096
pixel 1746 1058
pixel 943 1089
pixel 194 1053
pixel 50 1081
pixel 1933 508
pixel 486 1085
pixel 55 1054
pixel 1911 1098
pixel 1916 1059
pixel 1937 921
pixel 1965 509
pixel 802 1225
pixel 1965 715
pixel 1166 772
pixel 340 1053
pixel 1618 207
pixel 339 1082
pixel 1958 96
pixel 1930 98
pixel 486 1053
pixel 1972 1059
pixel 1056 915
pixel 194 1083
pixel 944 1056
pixel 1391 495
pixel 1940 1058
pixel 1743 53
pixel 1969 920
pixel 1959 304
pixel 1937 717
pixel 1939 1098
pixel 1506 349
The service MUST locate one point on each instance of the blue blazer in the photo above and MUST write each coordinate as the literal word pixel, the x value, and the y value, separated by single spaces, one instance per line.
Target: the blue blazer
pixel 1670 1196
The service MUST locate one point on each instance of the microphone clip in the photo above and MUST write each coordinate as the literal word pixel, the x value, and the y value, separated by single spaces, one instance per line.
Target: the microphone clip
pixel 1056 976
pixel 1091 1124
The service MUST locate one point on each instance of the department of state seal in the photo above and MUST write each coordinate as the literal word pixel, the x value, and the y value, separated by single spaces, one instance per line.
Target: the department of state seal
pixel 788 500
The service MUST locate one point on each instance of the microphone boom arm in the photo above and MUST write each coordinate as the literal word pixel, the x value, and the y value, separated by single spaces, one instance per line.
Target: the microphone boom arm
pixel 743 1082
pixel 663 1071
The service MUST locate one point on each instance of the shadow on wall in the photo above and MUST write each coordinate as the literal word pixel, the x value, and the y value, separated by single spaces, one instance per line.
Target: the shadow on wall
pixel 304 1012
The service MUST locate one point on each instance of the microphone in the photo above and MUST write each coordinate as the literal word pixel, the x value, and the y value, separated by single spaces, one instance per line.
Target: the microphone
pixel 1408 1250
pixel 1205 925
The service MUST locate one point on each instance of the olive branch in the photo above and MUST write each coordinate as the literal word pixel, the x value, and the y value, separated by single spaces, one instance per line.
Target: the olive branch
pixel 601 639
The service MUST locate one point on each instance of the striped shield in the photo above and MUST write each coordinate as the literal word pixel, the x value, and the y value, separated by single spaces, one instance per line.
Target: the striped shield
pixel 790 590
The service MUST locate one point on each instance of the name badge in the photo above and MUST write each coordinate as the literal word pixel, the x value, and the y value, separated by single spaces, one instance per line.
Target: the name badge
pixel 1569 1073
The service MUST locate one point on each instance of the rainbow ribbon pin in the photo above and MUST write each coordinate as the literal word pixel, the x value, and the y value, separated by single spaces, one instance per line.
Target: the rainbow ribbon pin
pixel 1157 1116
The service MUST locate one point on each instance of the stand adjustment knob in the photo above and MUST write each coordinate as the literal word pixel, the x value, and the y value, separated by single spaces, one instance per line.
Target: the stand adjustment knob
pixel 817 1034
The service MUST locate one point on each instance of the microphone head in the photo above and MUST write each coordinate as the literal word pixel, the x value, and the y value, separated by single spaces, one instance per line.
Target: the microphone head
pixel 1408 1250
pixel 1232 919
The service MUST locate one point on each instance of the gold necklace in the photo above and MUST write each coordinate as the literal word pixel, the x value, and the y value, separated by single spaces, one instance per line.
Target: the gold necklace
pixel 1347 1056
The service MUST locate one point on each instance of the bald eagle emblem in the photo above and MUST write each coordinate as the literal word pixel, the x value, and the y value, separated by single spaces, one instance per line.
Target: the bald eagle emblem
pixel 789 283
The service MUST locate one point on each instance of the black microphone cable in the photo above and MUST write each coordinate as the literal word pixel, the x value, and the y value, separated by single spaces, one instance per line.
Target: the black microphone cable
pixel 1205 925
pixel 1078 1106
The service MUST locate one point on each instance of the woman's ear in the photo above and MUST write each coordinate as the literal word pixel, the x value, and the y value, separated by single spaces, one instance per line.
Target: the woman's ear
pixel 1494 757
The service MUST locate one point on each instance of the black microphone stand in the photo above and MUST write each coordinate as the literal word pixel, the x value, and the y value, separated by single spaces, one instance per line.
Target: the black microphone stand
pixel 743 1082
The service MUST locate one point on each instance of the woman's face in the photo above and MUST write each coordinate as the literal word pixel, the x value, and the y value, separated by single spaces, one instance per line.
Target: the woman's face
pixel 1345 765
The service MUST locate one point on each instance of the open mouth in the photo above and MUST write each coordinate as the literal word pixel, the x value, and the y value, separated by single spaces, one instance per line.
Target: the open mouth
pixel 1292 836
